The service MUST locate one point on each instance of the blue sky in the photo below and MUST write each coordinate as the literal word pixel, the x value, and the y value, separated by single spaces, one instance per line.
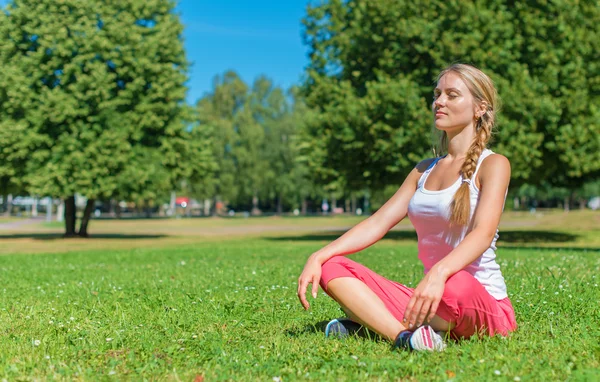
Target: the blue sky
pixel 251 37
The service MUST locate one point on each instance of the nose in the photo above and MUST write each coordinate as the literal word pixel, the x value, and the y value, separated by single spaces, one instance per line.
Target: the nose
pixel 438 102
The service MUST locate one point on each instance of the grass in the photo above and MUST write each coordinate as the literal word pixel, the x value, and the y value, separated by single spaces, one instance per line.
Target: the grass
pixel 185 307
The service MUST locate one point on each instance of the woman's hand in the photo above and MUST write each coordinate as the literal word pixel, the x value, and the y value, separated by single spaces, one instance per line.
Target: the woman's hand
pixel 425 300
pixel 310 274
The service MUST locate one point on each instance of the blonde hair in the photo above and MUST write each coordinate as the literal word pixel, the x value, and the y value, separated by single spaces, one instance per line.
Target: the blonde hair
pixel 483 91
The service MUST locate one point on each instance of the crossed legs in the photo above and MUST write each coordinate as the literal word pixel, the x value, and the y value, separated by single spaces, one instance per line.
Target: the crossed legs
pixel 364 306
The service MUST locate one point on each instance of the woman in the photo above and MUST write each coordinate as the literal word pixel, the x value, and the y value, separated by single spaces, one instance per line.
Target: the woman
pixel 454 202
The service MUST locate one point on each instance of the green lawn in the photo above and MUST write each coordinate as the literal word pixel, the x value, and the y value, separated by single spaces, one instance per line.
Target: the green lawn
pixel 226 309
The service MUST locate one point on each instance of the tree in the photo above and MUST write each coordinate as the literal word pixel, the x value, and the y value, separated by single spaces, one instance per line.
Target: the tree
pixel 94 91
pixel 217 111
pixel 254 130
pixel 374 62
pixel 288 179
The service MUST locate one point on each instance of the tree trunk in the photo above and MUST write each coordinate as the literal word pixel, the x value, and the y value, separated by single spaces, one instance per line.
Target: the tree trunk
pixel 304 207
pixel 516 203
pixel 367 202
pixel 213 210
pixel 70 216
pixel 60 211
pixel 353 202
pixel 148 210
pixel 279 204
pixel 207 206
pixel 172 204
pixel 8 204
pixel 34 207
pixel 567 204
pixel 49 211
pixel 346 205
pixel 582 204
pixel 87 214
pixel 255 210
pixel 333 205
pixel 111 208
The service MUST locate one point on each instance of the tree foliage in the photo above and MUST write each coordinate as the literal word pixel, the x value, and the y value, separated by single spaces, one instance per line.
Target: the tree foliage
pixel 372 69
pixel 92 100
pixel 256 133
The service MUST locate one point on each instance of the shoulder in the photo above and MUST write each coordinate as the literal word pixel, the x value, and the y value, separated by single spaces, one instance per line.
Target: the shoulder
pixel 414 176
pixel 495 166
pixel 422 166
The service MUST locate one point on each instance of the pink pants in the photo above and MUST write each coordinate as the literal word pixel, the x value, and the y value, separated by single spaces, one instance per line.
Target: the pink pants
pixel 465 301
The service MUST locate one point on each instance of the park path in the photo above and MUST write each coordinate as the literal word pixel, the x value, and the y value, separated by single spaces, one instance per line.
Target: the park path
pixel 11 225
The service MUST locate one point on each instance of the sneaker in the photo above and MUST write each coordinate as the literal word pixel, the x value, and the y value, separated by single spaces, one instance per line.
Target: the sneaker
pixel 341 327
pixel 424 338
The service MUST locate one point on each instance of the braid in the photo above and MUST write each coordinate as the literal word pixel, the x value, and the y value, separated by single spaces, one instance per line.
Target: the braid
pixel 484 94
pixel 460 208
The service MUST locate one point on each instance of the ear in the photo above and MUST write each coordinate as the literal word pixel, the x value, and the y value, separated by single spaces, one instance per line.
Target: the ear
pixel 481 109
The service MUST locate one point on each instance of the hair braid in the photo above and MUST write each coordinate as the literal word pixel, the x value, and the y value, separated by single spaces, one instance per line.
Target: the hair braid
pixel 485 95
pixel 460 208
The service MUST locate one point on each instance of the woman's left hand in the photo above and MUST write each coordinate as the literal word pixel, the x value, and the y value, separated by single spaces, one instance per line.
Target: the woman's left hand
pixel 425 301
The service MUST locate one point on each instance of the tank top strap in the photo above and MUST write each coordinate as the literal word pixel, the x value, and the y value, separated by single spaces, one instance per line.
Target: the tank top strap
pixel 486 153
pixel 425 174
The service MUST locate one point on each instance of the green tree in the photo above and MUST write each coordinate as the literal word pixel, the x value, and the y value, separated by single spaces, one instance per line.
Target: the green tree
pixel 94 92
pixel 255 130
pixel 374 62
pixel 288 178
pixel 218 111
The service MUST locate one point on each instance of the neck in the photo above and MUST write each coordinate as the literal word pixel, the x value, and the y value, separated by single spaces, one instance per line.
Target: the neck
pixel 460 141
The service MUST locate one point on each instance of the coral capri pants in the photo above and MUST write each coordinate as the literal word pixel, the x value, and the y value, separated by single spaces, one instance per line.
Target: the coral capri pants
pixel 465 301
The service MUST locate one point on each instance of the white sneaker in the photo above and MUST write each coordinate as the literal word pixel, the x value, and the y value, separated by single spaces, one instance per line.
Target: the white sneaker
pixel 425 338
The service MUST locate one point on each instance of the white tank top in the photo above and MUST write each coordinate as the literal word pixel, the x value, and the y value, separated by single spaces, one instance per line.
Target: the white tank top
pixel 429 212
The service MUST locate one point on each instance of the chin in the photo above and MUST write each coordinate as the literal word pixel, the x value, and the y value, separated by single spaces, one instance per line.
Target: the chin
pixel 441 126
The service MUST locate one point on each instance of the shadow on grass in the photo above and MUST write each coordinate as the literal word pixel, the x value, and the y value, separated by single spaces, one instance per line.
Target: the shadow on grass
pixel 332 235
pixel 551 248
pixel 59 236
pixel 525 237
pixel 319 327
pixel 508 239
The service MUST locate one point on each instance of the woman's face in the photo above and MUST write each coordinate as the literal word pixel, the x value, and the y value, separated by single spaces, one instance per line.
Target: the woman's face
pixel 453 104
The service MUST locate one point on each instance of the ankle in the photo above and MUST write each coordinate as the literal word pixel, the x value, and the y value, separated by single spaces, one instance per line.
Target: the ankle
pixel 402 340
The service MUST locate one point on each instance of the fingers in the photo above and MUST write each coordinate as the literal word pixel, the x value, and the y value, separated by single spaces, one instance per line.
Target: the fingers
pixel 302 285
pixel 315 286
pixel 414 311
pixel 408 311
pixel 420 309
pixel 423 312
pixel 433 310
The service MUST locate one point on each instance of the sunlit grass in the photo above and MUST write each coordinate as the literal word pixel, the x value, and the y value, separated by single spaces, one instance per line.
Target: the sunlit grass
pixel 228 310
pixel 522 229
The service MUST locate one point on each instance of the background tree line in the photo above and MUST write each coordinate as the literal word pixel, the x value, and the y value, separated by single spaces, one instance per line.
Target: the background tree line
pixel 92 102
pixel 372 71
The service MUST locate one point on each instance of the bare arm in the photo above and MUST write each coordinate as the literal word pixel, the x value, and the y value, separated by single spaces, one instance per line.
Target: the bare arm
pixel 372 229
pixel 363 235
pixel 494 177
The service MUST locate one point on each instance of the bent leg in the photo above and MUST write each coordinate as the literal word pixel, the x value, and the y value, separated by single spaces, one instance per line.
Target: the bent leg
pixel 467 304
pixel 367 297
pixel 379 304
pixel 364 306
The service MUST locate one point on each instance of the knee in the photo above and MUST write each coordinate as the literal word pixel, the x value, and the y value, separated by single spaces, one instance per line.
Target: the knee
pixel 335 262
pixel 460 285
pixel 334 267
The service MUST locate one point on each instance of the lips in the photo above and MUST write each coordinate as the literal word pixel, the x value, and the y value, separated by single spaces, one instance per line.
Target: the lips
pixel 440 113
